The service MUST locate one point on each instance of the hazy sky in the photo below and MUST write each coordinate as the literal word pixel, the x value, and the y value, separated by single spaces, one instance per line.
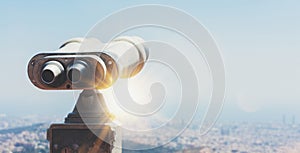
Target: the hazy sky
pixel 259 41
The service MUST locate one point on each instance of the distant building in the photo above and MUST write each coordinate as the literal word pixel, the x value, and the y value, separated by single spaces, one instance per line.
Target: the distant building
pixel 225 131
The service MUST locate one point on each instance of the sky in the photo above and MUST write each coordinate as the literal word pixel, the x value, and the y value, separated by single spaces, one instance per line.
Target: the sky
pixel 259 42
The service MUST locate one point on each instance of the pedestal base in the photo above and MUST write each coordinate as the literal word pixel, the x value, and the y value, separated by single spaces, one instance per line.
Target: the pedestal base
pixel 80 138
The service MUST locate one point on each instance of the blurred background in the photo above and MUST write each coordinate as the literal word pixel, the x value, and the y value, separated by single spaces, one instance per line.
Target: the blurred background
pixel 259 42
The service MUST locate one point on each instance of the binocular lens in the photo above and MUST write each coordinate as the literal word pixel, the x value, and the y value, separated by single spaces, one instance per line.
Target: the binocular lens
pixel 48 76
pixel 51 71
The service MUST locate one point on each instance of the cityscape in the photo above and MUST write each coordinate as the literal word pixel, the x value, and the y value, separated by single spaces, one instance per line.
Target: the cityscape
pixel 28 135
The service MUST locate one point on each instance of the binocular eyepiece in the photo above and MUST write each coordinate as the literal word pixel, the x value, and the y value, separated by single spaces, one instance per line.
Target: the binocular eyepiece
pixel 77 71
pixel 53 71
pixel 123 57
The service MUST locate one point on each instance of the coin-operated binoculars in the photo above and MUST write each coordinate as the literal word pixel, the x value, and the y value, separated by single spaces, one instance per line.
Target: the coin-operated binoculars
pixel 88 65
